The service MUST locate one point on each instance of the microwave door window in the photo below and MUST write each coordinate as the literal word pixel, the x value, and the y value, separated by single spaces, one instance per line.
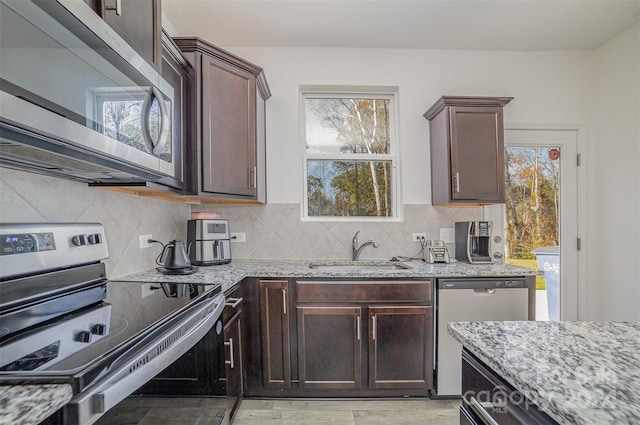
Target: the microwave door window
pixel 46 64
pixel 136 118
pixel 118 115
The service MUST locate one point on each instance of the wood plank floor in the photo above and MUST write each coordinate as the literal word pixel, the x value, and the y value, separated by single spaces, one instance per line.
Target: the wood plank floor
pixel 348 412
pixel 208 411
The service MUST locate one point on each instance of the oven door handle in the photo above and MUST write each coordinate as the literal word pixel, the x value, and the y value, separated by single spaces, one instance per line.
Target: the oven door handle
pixel 146 359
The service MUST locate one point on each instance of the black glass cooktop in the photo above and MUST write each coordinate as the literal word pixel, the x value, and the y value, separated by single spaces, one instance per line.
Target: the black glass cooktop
pixel 92 336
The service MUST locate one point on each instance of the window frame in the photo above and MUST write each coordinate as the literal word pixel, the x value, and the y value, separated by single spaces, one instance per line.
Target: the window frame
pixel 333 92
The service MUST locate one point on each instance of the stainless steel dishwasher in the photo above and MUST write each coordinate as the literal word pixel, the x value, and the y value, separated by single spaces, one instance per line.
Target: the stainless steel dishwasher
pixel 472 299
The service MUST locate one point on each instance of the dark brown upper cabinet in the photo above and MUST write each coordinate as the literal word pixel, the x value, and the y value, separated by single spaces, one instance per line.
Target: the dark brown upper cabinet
pixel 138 22
pixel 467 150
pixel 227 122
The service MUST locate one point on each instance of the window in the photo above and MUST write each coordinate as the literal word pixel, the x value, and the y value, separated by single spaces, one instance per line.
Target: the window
pixel 350 164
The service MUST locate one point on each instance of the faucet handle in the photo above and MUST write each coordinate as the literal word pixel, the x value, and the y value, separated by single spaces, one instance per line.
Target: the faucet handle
pixel 355 238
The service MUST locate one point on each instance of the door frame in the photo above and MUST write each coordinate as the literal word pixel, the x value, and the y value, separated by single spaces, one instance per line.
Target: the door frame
pixel 574 285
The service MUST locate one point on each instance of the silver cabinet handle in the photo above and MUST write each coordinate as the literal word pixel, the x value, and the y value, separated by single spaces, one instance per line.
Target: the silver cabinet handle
pixel 253 180
pixel 284 301
pixel 117 7
pixel 233 302
pixel 456 182
pixel 373 327
pixel 98 403
pixel 358 326
pixel 482 412
pixel 230 345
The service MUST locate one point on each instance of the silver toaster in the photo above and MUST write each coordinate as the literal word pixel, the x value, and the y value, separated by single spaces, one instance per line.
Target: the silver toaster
pixel 208 242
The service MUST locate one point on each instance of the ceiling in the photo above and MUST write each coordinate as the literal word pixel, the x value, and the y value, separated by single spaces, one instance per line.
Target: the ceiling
pixel 417 24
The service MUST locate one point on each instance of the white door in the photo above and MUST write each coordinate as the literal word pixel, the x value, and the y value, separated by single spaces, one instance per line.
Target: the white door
pixel 554 154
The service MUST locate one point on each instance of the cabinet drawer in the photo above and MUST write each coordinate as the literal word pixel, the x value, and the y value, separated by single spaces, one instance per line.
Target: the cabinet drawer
pixel 364 291
pixel 488 399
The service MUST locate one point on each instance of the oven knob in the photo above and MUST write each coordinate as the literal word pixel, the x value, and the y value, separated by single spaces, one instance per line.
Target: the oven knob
pixel 79 240
pixel 83 336
pixel 94 239
pixel 99 329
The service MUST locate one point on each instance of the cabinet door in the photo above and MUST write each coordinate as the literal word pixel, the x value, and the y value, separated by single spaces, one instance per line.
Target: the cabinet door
pixel 477 154
pixel 329 347
pixel 138 22
pixel 233 362
pixel 274 328
pixel 197 372
pixel 400 347
pixel 228 129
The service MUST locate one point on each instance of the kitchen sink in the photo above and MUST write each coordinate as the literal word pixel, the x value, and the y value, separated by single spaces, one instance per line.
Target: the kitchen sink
pixel 357 266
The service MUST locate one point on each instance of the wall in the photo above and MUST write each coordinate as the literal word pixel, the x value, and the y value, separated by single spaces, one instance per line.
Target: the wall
pixel 614 222
pixel 593 90
pixel 275 231
pixel 33 198
pixel 549 88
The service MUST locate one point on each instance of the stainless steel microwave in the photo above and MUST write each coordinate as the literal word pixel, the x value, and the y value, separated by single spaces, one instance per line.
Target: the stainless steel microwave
pixel 76 100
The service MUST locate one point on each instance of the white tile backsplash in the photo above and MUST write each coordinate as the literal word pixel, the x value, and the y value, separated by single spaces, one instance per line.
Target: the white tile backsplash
pixel 272 231
pixel 26 197
pixel 276 231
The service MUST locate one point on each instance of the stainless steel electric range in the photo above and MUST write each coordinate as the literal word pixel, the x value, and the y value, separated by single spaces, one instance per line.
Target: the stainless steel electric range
pixel 62 321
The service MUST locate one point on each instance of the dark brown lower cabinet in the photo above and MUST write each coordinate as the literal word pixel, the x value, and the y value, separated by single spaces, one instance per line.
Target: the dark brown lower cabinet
pixel 329 347
pixel 233 362
pixel 339 338
pixel 275 333
pixel 487 399
pixel 399 348
pixel 364 338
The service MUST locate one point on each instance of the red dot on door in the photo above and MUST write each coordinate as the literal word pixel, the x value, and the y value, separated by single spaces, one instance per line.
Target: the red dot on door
pixel 554 154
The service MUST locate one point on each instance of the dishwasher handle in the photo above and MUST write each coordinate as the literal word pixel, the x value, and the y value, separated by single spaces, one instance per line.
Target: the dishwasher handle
pixel 484 291
pixel 480 284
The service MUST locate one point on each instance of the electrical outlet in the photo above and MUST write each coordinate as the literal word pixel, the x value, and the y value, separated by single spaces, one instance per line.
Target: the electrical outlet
pixel 146 290
pixel 144 241
pixel 419 237
pixel 238 237
pixel 448 235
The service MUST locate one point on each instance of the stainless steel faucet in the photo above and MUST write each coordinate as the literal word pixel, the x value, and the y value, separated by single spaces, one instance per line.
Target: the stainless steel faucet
pixel 356 250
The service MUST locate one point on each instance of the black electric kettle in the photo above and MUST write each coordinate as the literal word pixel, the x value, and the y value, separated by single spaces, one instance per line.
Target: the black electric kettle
pixel 174 256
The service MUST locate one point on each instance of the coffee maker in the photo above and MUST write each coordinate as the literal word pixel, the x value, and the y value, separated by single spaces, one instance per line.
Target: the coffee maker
pixel 208 242
pixel 473 242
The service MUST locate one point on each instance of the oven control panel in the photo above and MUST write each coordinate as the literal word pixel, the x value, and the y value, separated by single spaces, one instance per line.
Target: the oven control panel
pixel 24 243
pixel 30 248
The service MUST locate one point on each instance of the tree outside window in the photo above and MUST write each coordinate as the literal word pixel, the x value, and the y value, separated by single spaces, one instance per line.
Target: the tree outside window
pixel 532 200
pixel 349 155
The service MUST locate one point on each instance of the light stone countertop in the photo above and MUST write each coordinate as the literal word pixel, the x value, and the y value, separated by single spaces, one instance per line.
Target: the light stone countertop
pixel 31 404
pixel 18 399
pixel 585 373
pixel 228 275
